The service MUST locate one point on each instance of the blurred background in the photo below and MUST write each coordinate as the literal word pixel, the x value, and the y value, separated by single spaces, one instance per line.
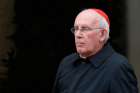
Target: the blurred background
pixel 35 36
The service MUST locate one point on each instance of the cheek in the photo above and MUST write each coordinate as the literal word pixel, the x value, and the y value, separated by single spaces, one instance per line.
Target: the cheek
pixel 90 45
pixel 86 48
pixel 83 48
pixel 92 42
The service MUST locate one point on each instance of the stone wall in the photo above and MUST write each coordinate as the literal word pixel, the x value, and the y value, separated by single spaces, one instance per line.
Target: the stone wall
pixel 6 31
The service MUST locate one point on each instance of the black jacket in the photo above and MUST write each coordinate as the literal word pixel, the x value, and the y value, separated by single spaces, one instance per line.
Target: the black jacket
pixel 105 72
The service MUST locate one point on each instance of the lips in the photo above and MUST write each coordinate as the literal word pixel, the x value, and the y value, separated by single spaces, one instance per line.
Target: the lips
pixel 79 44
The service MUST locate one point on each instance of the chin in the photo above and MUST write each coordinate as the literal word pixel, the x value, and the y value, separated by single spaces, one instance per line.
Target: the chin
pixel 81 51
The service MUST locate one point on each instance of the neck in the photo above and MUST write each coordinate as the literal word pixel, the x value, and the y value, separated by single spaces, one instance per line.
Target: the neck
pixel 86 55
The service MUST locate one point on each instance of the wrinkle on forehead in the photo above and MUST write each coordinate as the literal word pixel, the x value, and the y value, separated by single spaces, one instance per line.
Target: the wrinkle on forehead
pixel 89 15
pixel 93 17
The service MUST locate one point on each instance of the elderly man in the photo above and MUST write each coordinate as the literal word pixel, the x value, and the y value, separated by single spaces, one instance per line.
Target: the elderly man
pixel 95 67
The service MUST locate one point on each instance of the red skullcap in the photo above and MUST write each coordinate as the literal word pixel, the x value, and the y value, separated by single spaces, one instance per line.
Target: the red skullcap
pixel 103 14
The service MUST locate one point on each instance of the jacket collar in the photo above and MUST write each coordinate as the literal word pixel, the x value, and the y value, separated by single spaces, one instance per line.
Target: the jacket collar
pixel 99 58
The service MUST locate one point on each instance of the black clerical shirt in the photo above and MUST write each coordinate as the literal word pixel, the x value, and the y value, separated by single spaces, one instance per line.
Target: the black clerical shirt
pixel 105 72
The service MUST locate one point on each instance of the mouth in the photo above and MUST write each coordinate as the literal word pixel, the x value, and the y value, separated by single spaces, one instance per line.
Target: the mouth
pixel 79 44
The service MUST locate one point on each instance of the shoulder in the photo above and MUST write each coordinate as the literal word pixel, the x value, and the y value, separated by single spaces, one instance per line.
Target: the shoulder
pixel 118 63
pixel 118 58
pixel 66 63
pixel 69 59
pixel 120 66
pixel 122 74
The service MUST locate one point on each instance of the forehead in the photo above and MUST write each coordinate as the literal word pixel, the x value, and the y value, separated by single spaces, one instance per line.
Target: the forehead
pixel 86 17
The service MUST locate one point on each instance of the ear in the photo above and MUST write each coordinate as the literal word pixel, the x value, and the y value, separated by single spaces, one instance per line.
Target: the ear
pixel 102 35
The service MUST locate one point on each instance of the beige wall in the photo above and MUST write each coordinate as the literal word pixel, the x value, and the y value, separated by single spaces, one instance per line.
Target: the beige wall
pixel 134 35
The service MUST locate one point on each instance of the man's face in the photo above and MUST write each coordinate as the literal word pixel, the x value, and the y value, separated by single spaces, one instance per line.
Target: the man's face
pixel 87 42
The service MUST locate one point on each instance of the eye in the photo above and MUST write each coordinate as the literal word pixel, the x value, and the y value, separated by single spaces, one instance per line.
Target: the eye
pixel 85 28
pixel 75 27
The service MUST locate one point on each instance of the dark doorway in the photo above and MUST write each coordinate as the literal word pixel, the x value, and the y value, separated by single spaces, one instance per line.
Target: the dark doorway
pixel 43 38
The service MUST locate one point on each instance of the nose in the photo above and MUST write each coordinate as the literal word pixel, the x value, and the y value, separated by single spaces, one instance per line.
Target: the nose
pixel 78 34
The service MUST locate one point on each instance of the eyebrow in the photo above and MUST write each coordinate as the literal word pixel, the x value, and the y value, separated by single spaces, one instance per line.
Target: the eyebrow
pixel 82 26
